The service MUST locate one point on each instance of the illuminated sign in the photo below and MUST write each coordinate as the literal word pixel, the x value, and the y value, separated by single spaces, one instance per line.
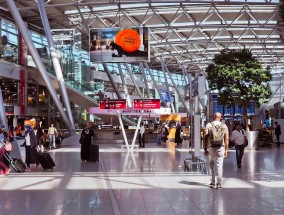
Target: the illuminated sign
pixel 147 104
pixel 113 104
pixel 119 44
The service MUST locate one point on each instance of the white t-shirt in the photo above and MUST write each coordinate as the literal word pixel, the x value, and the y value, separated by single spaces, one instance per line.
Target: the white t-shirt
pixel 238 136
pixel 142 130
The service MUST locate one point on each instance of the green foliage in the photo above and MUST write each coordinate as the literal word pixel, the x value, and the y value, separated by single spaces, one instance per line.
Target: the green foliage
pixel 239 78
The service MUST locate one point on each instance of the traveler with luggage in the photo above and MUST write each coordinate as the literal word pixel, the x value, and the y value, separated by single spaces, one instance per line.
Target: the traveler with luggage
pixel 6 138
pixel 86 141
pixel 215 147
pixel 4 169
pixel 30 147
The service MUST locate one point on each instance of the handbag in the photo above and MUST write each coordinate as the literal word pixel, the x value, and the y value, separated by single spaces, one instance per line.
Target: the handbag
pixel 245 141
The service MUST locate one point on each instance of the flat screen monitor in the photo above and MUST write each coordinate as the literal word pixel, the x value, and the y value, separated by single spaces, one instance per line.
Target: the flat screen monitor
pixel 119 45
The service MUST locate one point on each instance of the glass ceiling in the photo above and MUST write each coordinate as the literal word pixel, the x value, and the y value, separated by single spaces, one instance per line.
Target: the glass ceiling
pixel 183 33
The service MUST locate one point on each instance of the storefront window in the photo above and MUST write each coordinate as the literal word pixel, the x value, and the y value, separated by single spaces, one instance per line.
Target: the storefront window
pixel 9 89
pixel 32 95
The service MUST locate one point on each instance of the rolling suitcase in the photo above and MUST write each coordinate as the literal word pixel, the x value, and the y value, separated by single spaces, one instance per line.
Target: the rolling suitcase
pixel 17 164
pixel 46 160
pixel 94 153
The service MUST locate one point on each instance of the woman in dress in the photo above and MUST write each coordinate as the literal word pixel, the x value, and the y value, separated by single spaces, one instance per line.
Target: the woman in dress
pixel 178 138
pixel 30 146
pixel 85 141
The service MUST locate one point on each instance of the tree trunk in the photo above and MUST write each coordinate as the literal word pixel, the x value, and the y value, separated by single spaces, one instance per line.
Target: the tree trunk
pixel 245 116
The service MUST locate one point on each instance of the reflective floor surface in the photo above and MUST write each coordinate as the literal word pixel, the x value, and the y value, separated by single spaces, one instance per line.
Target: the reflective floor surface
pixel 148 181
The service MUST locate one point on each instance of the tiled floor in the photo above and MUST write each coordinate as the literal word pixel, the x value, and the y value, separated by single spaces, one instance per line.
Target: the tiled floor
pixel 147 181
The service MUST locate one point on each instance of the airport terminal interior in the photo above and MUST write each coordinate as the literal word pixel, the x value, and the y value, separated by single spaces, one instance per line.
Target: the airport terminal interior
pixel 119 63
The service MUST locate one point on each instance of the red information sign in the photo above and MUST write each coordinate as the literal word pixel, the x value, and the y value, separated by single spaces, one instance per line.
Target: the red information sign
pixel 113 104
pixel 147 104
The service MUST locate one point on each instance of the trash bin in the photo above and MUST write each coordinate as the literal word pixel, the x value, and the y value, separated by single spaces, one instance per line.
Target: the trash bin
pixel 253 140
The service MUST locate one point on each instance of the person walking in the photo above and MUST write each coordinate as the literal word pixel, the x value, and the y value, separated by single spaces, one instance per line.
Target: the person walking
pixel 178 138
pixel 86 141
pixel 4 168
pixel 277 133
pixel 39 133
pixel 239 137
pixel 141 137
pixel 165 133
pixel 18 130
pixel 159 136
pixel 30 146
pixel 215 147
pixel 52 134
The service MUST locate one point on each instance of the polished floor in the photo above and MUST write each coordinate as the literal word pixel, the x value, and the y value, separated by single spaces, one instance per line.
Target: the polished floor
pixel 148 181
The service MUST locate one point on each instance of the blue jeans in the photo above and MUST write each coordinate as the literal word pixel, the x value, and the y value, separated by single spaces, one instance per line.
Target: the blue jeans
pixel 52 140
pixel 239 153
pixel 159 139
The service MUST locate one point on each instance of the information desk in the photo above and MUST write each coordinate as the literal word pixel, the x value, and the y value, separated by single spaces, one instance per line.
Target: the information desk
pixel 114 136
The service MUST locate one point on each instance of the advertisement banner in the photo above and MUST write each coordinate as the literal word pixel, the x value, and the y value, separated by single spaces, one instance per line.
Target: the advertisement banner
pixel 119 45
pixel 22 91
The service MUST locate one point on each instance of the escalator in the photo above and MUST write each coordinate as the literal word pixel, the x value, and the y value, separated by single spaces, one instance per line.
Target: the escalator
pixel 80 94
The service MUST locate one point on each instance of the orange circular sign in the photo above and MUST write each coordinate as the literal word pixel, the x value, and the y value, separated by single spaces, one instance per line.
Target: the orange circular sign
pixel 128 39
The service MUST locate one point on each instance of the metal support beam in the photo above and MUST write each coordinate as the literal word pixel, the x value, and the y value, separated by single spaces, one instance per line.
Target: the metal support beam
pixel 123 130
pixel 177 90
pixel 112 81
pixel 137 129
pixel 167 85
pixel 24 31
pixel 133 80
pixel 145 80
pixel 2 111
pixel 56 63
pixel 184 75
pixel 155 84
pixel 126 95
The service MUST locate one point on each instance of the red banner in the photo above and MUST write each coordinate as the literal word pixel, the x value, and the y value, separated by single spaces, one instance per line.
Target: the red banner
pixel 113 104
pixel 22 91
pixel 147 104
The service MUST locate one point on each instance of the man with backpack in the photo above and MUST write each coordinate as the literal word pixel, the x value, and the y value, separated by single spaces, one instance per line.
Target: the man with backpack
pixel 215 147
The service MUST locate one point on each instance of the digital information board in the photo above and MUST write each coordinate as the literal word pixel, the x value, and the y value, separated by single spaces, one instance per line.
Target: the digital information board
pixel 147 104
pixel 113 104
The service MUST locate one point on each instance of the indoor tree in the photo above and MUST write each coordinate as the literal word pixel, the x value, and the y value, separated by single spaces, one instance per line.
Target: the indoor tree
pixel 239 79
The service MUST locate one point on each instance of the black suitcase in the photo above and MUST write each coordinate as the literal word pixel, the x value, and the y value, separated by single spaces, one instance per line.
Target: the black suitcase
pixel 94 153
pixel 46 160
pixel 46 144
pixel 17 164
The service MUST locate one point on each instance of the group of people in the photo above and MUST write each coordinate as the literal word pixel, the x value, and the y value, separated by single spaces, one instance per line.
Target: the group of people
pixel 162 135
pixel 33 138
pixel 216 142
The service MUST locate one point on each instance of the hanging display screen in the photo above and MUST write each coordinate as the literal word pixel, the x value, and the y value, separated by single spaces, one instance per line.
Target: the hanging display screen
pixel 113 104
pixel 147 104
pixel 119 45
